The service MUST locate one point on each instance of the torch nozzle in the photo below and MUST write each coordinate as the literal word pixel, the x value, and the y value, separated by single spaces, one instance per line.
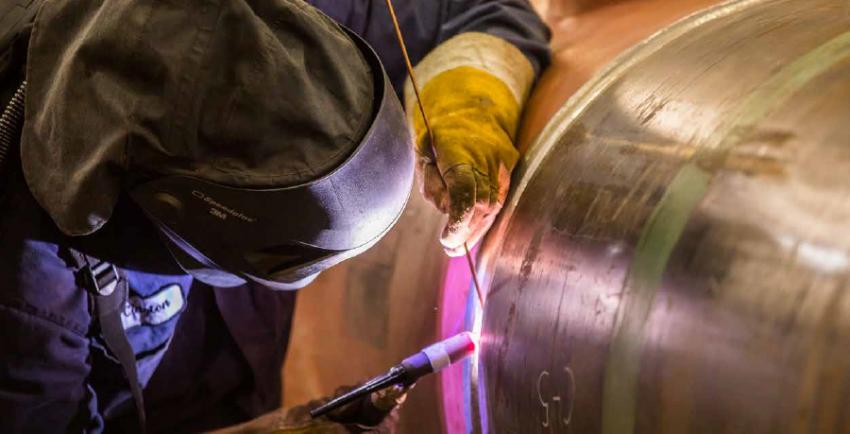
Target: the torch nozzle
pixel 431 359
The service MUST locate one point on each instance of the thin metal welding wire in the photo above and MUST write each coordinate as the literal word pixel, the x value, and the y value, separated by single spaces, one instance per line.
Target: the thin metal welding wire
pixel 412 76
pixel 474 275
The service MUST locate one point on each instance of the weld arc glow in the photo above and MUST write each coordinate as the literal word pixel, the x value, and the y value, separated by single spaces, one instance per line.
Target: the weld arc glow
pixel 461 311
pixel 478 404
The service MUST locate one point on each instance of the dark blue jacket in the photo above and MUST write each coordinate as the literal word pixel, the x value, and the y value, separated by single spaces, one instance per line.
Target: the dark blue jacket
pixel 220 363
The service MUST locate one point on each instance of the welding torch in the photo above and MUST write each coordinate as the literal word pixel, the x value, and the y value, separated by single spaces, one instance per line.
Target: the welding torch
pixel 429 360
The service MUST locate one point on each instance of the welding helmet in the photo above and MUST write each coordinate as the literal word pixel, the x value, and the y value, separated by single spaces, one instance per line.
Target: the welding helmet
pixel 264 141
pixel 284 237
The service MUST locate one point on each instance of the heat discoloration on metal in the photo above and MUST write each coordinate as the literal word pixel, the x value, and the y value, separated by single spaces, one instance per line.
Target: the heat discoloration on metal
pixel 742 285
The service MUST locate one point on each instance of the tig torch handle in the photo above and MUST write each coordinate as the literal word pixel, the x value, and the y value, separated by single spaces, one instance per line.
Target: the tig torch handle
pixel 431 359
pixel 393 377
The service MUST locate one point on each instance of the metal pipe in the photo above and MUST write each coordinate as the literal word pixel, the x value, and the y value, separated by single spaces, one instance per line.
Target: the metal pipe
pixel 675 256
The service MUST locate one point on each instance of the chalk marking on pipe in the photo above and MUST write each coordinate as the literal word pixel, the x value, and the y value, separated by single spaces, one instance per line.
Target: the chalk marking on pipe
pixel 667 222
pixel 572 378
pixel 543 403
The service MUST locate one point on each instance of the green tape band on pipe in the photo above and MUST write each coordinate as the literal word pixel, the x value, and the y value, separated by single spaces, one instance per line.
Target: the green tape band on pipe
pixel 668 220
pixel 777 89
pixel 659 236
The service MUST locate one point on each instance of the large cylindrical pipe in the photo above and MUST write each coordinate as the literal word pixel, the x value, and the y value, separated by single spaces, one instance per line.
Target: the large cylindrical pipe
pixel 674 257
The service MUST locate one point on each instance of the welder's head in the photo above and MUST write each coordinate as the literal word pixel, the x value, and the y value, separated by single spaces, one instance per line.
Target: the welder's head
pixel 263 140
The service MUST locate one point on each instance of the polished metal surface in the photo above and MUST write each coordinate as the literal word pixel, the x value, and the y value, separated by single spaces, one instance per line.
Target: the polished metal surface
pixel 674 256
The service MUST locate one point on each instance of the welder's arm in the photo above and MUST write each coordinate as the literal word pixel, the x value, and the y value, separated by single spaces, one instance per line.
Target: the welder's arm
pixel 43 372
pixel 487 54
pixel 473 87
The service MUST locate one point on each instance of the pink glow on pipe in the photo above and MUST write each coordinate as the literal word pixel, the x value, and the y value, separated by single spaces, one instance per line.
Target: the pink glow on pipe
pixel 455 301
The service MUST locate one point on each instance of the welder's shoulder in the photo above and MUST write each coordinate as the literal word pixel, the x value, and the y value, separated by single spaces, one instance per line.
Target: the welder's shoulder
pixel 37 277
pixel 39 288
pixel 44 321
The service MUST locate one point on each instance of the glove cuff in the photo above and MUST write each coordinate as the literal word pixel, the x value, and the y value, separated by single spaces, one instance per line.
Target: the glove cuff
pixel 489 53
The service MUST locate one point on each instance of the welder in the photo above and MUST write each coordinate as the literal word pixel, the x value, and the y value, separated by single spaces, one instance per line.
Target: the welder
pixel 183 166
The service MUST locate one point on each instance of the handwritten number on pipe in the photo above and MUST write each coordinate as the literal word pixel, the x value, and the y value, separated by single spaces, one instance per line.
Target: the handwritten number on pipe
pixel 567 387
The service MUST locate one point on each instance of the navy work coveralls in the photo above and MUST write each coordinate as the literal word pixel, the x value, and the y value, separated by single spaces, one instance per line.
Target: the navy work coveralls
pixel 207 357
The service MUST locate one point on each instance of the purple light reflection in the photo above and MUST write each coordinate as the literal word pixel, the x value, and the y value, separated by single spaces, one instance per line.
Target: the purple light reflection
pixel 457 314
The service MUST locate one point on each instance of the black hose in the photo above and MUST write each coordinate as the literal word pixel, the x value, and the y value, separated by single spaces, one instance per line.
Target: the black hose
pixel 11 122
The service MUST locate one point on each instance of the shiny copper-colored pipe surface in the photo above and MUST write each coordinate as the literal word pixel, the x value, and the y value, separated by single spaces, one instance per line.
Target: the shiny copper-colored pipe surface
pixel 675 254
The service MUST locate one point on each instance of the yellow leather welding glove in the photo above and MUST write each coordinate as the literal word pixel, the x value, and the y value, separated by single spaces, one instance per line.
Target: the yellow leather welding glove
pixel 473 87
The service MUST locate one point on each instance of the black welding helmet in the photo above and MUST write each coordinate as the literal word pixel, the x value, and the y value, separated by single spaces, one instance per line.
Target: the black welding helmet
pixel 283 237
pixel 287 154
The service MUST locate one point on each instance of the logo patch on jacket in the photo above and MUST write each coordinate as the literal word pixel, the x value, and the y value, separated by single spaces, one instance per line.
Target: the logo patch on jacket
pixel 153 310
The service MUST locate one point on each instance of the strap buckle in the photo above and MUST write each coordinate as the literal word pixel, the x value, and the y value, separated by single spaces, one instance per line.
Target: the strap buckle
pixel 102 278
